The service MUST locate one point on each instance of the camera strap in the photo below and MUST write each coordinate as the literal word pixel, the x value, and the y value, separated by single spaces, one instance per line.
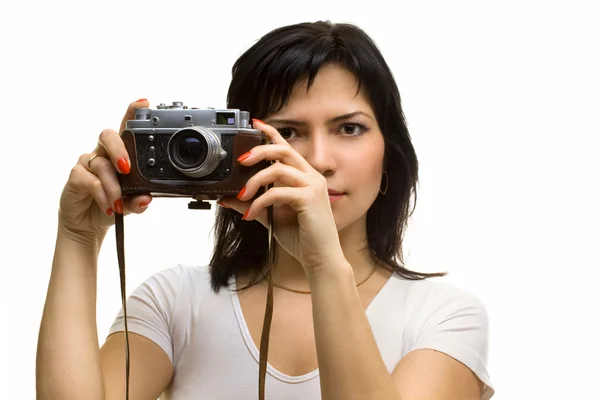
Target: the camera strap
pixel 264 339
pixel 264 342
pixel 119 230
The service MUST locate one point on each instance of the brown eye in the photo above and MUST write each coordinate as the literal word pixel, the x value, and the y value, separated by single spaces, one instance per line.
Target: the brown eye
pixel 286 133
pixel 351 129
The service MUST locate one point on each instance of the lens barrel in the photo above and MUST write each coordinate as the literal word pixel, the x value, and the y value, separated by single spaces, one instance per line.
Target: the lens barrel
pixel 195 151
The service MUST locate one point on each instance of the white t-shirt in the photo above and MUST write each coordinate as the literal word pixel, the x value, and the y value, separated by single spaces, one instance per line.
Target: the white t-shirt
pixel 214 356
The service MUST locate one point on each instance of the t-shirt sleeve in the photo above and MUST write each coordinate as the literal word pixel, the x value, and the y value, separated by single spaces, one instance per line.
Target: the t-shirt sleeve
pixel 459 327
pixel 150 308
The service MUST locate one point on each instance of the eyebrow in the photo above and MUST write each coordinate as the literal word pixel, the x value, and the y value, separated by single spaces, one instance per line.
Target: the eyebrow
pixel 330 121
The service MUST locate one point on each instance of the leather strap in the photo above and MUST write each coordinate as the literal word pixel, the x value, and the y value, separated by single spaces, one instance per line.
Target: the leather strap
pixel 264 339
pixel 264 342
pixel 120 232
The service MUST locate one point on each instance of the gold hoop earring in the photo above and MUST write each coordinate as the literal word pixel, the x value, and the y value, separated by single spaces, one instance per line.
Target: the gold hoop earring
pixel 386 183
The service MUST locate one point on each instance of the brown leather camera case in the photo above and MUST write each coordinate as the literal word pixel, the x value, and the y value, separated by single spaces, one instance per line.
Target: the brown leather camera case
pixel 135 183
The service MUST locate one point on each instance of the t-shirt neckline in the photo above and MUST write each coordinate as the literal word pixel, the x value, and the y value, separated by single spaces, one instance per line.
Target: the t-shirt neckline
pixel 254 350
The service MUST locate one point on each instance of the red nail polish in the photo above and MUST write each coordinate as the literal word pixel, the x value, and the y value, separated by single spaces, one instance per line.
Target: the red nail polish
pixel 241 193
pixel 119 206
pixel 256 119
pixel 123 165
pixel 246 214
pixel 244 156
pixel 143 205
pixel 140 100
pixel 109 212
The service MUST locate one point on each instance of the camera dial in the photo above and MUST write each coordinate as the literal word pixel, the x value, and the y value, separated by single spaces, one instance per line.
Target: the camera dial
pixel 195 151
pixel 175 105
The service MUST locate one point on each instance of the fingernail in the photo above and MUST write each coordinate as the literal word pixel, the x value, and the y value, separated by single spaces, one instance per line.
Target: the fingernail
pixel 241 193
pixel 123 165
pixel 109 212
pixel 222 205
pixel 244 156
pixel 144 205
pixel 246 214
pixel 119 206
pixel 256 119
pixel 140 100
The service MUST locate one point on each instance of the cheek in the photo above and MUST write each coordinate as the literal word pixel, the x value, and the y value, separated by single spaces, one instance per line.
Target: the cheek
pixel 367 164
pixel 364 175
pixel 366 172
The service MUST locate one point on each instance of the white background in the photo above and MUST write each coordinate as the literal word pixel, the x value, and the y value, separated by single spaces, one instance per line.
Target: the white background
pixel 502 101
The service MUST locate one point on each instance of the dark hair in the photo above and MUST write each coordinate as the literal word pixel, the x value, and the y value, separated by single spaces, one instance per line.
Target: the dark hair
pixel 262 81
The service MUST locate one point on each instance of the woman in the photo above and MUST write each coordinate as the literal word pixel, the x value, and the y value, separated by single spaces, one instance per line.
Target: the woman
pixel 349 321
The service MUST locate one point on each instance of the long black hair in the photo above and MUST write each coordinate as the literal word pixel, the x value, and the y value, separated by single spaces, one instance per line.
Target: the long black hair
pixel 262 81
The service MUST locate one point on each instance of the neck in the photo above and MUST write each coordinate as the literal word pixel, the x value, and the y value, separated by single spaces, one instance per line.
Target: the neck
pixel 288 271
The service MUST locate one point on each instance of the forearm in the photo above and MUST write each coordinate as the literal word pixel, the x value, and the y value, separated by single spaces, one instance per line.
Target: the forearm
pixel 68 363
pixel 350 364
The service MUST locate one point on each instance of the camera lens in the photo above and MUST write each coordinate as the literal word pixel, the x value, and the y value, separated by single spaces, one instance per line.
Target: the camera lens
pixel 188 149
pixel 195 152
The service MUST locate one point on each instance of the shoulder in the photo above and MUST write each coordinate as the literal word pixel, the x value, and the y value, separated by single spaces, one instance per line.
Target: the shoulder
pixel 441 310
pixel 188 284
pixel 169 285
pixel 434 296
pixel 181 274
pixel 447 318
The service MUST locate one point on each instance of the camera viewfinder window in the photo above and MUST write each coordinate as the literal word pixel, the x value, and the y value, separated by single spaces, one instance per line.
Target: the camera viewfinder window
pixel 225 118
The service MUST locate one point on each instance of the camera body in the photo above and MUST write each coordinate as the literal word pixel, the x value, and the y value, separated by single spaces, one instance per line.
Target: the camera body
pixel 176 151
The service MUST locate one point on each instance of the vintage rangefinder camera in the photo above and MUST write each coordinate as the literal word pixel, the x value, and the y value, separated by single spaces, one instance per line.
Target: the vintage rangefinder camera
pixel 177 151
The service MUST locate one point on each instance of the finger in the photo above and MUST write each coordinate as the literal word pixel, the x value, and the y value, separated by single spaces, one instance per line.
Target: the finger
pixel 278 172
pixel 233 204
pixel 105 171
pixel 137 204
pixel 130 113
pixel 86 182
pixel 272 133
pixel 282 153
pixel 110 145
pixel 241 207
pixel 273 196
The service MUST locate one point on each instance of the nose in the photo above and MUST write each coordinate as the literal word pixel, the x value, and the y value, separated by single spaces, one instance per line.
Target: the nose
pixel 319 151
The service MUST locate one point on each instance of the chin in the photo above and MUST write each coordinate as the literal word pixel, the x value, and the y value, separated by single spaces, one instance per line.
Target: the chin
pixel 346 216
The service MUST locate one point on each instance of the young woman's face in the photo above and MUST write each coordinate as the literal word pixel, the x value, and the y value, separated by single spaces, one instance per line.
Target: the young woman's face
pixel 335 130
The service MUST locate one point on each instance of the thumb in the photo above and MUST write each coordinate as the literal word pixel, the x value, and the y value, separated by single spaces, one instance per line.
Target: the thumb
pixel 130 113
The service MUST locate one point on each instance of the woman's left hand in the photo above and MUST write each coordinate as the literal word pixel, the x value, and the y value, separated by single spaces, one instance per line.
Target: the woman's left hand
pixel 304 225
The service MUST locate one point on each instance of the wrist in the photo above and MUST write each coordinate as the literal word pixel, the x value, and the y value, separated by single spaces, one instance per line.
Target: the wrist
pixel 76 255
pixel 86 240
pixel 330 268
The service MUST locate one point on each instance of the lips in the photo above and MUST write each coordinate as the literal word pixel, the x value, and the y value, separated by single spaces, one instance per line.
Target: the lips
pixel 334 195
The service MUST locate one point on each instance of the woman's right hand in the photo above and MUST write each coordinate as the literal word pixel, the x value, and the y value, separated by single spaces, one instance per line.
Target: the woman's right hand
pixel 92 196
